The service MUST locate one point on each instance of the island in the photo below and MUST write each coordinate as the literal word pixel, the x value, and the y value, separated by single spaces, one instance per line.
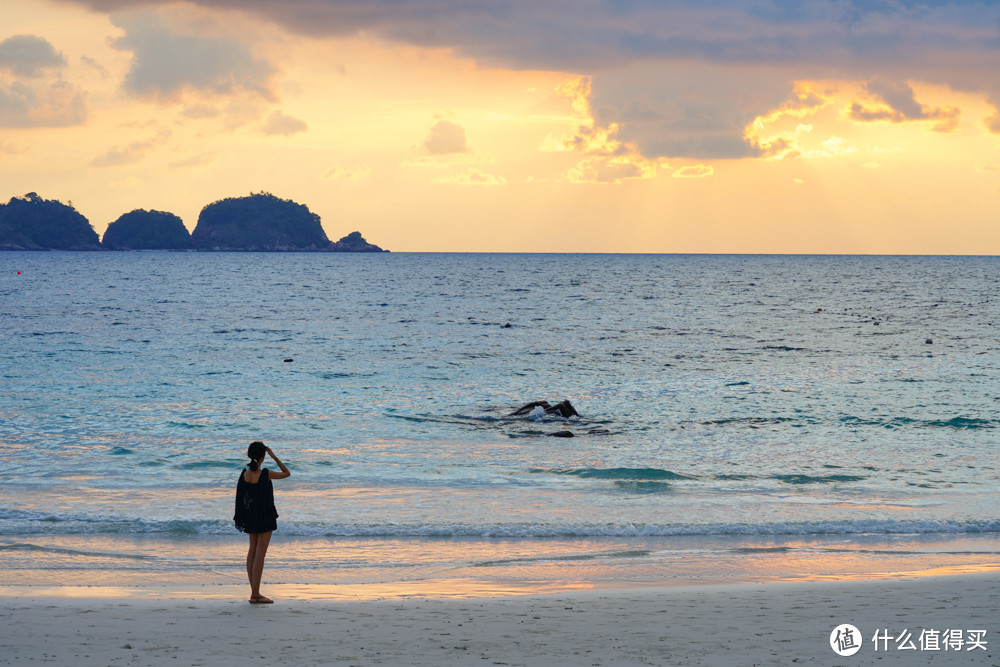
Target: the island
pixel 147 230
pixel 258 222
pixel 34 223
pixel 354 242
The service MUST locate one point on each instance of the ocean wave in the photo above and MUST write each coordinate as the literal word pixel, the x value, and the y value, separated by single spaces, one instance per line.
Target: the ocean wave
pixel 549 558
pixel 615 474
pixel 898 422
pixel 816 479
pixel 37 548
pixel 754 422
pixel 19 523
pixel 651 480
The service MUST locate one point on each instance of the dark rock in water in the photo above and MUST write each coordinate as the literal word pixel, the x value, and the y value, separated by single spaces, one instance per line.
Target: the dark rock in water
pixel 565 409
pixel 508 326
pixel 33 223
pixel 147 230
pixel 354 242
pixel 928 342
pixel 562 434
pixel 258 222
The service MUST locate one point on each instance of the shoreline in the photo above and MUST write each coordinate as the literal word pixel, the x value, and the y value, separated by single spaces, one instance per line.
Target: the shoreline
pixel 749 623
pixel 305 568
pixel 468 588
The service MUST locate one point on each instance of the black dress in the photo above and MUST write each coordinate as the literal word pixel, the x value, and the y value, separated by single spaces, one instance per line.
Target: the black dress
pixel 255 511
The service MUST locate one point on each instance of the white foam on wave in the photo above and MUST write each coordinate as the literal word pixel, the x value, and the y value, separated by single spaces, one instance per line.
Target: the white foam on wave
pixel 26 523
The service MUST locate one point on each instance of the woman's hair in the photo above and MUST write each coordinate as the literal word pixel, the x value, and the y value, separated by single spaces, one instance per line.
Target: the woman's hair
pixel 256 452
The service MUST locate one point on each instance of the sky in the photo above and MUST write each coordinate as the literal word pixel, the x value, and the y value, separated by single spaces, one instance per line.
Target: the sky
pixel 749 126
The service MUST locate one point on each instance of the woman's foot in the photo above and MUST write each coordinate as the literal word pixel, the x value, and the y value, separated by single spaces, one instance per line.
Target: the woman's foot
pixel 260 599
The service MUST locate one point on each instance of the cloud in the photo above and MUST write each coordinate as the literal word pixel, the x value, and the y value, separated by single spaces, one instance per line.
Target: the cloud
pixel 680 78
pixel 279 123
pixel 588 136
pixel 992 123
pixel 616 169
pixel 470 176
pixel 131 154
pixel 445 138
pixel 55 105
pixel 694 171
pixel 166 65
pixel 36 96
pixel 93 64
pixel 896 103
pixel 200 111
pixel 562 35
pixel 609 159
pixel 808 99
pixel 29 56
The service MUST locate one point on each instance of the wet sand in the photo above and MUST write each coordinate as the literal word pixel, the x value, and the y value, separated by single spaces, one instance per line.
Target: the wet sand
pixel 744 624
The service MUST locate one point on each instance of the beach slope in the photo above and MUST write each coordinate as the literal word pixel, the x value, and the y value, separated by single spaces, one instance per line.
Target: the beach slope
pixel 747 624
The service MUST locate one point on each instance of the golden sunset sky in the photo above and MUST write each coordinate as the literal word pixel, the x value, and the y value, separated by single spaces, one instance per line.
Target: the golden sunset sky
pixel 561 126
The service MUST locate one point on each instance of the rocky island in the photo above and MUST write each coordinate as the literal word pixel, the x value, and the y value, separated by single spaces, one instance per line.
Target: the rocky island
pixel 354 242
pixel 147 230
pixel 258 222
pixel 33 223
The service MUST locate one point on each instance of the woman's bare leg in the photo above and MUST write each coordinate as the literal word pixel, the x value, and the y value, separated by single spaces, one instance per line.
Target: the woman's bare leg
pixel 256 568
pixel 250 557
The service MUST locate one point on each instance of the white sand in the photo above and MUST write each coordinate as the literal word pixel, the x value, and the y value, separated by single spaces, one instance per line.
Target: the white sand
pixel 751 624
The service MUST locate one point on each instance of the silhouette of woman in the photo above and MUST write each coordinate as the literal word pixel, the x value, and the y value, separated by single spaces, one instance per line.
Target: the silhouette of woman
pixel 255 512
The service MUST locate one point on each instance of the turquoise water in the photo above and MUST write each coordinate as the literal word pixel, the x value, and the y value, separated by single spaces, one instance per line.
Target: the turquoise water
pixel 721 397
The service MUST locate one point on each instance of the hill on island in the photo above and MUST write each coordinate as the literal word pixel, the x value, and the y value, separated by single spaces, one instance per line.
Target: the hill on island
pixel 258 222
pixel 147 230
pixel 33 223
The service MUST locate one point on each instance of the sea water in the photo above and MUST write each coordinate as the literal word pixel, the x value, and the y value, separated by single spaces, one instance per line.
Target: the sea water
pixel 777 415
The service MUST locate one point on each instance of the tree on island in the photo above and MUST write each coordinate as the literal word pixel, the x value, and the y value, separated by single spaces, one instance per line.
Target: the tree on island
pixel 147 230
pixel 33 223
pixel 258 222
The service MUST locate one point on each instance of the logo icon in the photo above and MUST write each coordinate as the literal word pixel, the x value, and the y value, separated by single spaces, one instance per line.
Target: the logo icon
pixel 845 640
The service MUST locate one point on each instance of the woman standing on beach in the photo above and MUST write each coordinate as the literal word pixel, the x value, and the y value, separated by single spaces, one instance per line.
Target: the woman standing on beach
pixel 255 512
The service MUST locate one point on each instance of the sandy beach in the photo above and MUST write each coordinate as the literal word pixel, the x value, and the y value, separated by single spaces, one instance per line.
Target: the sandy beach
pixel 743 624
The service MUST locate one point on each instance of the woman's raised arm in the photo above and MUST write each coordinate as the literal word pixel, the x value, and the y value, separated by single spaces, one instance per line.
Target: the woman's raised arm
pixel 285 472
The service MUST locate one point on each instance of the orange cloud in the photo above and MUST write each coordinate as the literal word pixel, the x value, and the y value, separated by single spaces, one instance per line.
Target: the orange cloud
pixel 59 104
pixel 446 137
pixel 897 103
pixel 992 122
pixel 609 159
pixel 694 171
pixel 811 97
pixel 283 124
